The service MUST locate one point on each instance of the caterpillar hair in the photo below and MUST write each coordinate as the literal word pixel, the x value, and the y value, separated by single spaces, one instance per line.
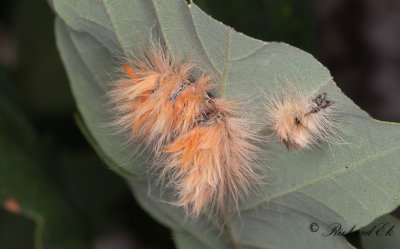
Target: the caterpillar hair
pixel 202 148
pixel 144 97
pixel 213 164
pixel 301 120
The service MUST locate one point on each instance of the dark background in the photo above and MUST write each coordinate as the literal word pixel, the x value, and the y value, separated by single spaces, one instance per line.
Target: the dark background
pixel 357 40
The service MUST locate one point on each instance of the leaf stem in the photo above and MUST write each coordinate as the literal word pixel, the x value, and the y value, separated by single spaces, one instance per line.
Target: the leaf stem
pixel 223 84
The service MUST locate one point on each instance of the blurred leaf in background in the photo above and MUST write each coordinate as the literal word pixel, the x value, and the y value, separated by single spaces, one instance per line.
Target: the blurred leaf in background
pixel 37 84
pixel 289 21
pixel 28 189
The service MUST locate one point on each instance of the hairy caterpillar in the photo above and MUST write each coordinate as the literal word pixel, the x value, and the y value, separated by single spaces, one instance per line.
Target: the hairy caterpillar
pixel 203 149
pixel 301 120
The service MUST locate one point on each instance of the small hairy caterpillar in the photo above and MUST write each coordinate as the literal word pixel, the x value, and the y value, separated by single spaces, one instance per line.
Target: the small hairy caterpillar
pixel 301 120
pixel 202 148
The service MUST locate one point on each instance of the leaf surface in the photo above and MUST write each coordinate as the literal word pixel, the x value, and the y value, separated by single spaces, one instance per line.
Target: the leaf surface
pixel 381 233
pixel 349 183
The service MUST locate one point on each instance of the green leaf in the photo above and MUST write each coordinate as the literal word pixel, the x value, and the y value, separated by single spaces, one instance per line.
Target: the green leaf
pixel 351 184
pixel 184 240
pixel 381 233
pixel 26 188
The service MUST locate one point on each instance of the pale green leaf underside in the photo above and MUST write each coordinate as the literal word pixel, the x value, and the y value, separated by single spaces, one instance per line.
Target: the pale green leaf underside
pixel 377 234
pixel 352 183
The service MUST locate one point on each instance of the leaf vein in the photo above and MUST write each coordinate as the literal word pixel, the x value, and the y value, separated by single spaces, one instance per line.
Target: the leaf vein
pixel 319 180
